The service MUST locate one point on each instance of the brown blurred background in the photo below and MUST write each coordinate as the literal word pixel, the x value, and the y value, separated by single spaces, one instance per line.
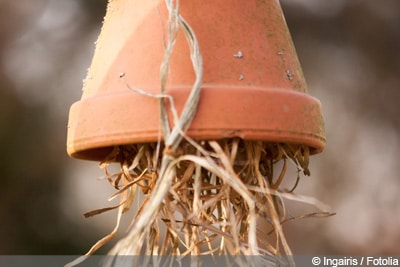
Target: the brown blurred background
pixel 350 53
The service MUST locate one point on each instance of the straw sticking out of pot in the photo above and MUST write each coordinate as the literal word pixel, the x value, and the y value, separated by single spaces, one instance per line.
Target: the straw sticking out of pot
pixel 218 189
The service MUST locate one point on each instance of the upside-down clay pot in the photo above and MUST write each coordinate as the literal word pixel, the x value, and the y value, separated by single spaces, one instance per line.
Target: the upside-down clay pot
pixel 253 86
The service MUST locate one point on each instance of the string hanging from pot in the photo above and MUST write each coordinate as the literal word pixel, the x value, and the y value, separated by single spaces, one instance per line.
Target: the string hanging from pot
pixel 172 137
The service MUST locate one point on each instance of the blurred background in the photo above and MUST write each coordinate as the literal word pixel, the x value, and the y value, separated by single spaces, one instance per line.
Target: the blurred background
pixel 350 53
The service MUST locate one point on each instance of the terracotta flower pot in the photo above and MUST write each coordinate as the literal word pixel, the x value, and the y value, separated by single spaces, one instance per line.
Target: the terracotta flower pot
pixel 253 86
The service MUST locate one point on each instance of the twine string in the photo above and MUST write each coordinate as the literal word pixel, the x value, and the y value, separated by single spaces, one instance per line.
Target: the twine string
pixel 130 245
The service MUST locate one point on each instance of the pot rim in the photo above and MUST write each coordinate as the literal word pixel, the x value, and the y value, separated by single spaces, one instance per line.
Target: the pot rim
pixel 250 113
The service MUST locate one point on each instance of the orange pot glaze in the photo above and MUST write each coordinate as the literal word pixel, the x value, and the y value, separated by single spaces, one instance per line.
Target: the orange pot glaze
pixel 253 86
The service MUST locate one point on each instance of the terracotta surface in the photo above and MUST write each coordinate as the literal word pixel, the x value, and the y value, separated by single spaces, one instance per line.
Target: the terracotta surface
pixel 253 86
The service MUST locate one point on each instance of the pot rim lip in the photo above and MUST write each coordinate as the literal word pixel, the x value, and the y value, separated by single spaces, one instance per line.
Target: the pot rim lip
pixel 92 133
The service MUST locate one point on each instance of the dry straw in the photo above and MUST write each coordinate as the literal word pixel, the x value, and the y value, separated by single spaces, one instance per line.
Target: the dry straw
pixel 200 197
